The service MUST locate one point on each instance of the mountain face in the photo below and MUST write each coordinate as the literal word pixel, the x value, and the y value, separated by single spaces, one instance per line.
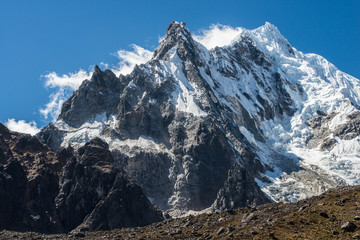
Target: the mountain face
pixel 67 191
pixel 247 123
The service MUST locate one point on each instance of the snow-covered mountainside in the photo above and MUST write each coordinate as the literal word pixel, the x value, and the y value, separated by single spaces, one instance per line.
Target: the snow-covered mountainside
pixel 246 123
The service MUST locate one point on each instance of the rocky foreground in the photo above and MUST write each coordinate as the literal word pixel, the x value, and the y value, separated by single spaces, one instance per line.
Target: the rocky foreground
pixel 333 215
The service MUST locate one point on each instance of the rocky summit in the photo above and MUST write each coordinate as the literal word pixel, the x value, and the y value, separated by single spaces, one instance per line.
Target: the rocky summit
pixel 194 130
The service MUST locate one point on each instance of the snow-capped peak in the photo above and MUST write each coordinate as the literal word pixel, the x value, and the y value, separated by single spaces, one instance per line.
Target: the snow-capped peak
pixel 207 108
pixel 176 33
pixel 269 40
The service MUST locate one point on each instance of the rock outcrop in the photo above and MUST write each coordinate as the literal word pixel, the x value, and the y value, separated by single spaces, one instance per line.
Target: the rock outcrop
pixel 239 190
pixel 94 195
pixel 49 192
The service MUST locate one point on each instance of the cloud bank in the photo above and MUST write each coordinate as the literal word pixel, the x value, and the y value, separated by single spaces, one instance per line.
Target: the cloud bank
pixel 22 126
pixel 64 85
pixel 128 59
pixel 71 80
pixel 217 35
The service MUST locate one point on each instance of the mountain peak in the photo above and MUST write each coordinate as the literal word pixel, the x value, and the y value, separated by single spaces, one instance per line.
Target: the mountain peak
pixel 270 30
pixel 268 39
pixel 269 26
pixel 177 29
pixel 176 33
pixel 97 69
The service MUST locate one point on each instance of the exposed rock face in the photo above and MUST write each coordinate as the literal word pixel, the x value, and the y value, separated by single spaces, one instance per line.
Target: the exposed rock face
pixel 351 128
pixel 97 196
pixel 5 152
pixel 239 190
pixel 125 205
pixel 320 129
pixel 46 192
pixel 12 187
pixel 93 97
pixel 51 136
pixel 29 185
pixel 326 137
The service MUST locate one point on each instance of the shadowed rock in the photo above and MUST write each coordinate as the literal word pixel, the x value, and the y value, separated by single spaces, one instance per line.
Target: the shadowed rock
pixel 38 193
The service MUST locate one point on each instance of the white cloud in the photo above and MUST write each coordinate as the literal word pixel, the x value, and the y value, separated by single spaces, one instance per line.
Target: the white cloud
pixel 71 80
pixel 217 35
pixel 53 108
pixel 22 126
pixel 66 84
pixel 128 59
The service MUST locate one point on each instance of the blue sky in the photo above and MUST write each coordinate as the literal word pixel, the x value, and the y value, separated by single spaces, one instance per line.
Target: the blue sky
pixel 40 37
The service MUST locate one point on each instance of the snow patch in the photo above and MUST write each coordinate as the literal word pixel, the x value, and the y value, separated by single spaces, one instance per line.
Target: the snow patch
pixel 186 94
pixel 77 137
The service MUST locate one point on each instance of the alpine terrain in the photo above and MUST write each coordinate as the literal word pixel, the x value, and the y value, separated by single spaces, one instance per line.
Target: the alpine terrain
pixel 192 130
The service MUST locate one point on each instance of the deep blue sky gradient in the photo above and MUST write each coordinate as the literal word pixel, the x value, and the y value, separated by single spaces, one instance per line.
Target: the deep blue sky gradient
pixel 37 37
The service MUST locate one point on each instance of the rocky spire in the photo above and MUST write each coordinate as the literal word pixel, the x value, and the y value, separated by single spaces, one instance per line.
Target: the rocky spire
pixel 176 34
pixel 97 69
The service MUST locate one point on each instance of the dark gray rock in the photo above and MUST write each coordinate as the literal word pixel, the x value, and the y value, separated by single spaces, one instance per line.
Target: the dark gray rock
pixel 4 131
pixel 320 129
pixel 5 152
pixel 178 34
pixel 348 227
pixel 328 144
pixel 351 128
pixel 125 205
pixel 12 190
pixel 324 215
pixel 93 96
pixel 39 194
pixel 96 196
pixel 28 190
pixel 319 124
pixel 239 190
pixel 51 136
pixel 220 231
pixel 28 143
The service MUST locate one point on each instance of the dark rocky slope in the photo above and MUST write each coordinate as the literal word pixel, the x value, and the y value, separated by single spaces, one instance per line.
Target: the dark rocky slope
pixel 333 215
pixel 43 191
